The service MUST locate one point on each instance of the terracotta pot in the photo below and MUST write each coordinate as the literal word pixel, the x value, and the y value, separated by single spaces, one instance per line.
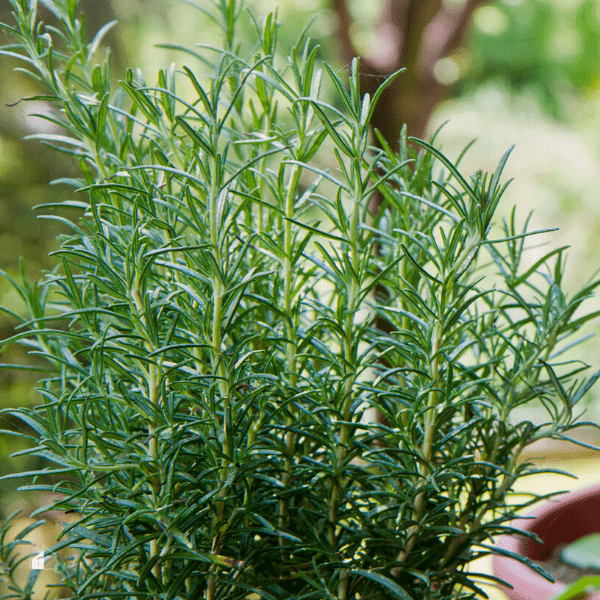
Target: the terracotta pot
pixel 560 520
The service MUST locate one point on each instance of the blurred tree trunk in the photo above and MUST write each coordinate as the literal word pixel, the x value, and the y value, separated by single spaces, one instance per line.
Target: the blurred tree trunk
pixel 414 34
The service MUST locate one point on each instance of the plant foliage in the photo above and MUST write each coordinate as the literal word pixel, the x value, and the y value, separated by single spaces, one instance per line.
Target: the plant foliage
pixel 209 334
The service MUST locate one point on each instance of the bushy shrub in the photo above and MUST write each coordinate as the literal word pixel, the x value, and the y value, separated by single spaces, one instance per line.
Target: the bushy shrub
pixel 210 334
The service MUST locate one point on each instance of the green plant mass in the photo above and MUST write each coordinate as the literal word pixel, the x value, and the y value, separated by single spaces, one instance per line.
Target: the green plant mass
pixel 255 387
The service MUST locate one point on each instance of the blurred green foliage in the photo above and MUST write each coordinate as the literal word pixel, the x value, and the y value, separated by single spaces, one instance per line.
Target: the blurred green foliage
pixel 550 48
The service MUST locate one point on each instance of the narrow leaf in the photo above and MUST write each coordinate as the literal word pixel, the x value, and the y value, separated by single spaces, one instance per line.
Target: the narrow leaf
pixel 387 583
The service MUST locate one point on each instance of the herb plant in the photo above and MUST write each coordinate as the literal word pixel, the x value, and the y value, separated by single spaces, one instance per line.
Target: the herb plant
pixel 584 552
pixel 209 334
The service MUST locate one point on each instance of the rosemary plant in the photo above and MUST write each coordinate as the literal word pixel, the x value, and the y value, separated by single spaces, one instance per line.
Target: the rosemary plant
pixel 208 330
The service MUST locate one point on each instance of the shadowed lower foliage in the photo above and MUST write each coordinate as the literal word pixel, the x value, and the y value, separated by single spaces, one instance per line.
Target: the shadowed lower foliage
pixel 211 355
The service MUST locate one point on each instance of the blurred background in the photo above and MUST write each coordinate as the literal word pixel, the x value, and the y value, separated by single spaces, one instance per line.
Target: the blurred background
pixel 523 72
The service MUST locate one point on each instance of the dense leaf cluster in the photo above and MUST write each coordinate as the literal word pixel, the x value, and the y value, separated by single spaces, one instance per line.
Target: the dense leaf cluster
pixel 214 363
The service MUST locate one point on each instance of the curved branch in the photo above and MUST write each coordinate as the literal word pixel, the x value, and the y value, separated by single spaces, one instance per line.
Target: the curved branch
pixel 392 31
pixel 444 34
